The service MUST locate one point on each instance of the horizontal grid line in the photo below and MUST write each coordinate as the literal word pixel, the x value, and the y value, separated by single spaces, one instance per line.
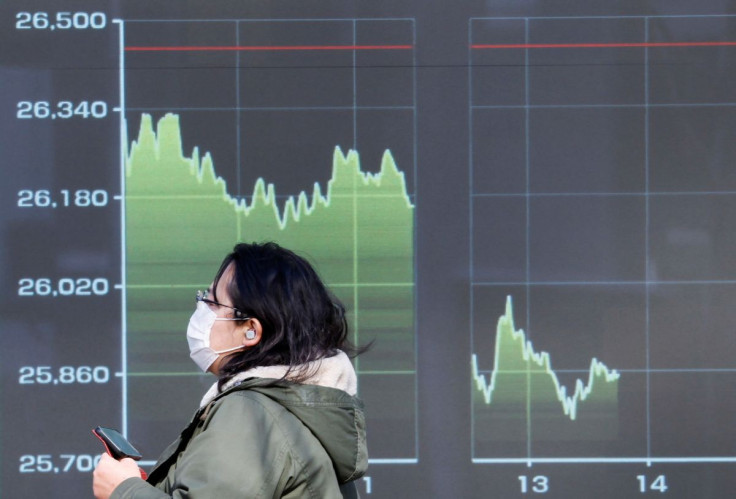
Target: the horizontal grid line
pixel 637 45
pixel 332 285
pixel 388 373
pixel 604 460
pixel 557 18
pixel 601 194
pixel 634 371
pixel 605 106
pixel 601 283
pixel 245 197
pixel 372 285
pixel 263 108
pixel 275 20
pixel 202 375
pixel 263 48
pixel 241 197
pixel 393 460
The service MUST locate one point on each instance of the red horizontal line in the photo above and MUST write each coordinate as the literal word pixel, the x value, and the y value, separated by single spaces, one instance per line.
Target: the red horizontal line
pixel 601 45
pixel 255 48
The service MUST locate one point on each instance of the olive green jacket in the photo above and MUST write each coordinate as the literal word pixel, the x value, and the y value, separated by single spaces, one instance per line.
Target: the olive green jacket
pixel 261 439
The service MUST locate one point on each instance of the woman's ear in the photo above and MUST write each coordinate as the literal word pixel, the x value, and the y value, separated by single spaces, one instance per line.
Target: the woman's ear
pixel 252 331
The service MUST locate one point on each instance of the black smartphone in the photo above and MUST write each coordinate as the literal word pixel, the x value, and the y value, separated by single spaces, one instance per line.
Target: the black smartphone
pixel 116 444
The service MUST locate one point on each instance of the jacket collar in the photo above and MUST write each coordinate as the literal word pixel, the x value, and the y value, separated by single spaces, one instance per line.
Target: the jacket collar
pixel 332 372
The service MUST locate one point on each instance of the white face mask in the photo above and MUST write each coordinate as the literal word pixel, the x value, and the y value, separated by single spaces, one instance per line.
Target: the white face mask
pixel 198 336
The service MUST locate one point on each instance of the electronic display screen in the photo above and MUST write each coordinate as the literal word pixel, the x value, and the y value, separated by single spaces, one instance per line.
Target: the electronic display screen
pixel 528 209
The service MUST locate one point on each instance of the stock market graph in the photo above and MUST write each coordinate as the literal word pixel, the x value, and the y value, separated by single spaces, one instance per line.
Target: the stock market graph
pixel 527 208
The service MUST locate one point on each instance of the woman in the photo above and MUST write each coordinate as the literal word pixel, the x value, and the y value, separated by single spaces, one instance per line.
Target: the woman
pixel 282 420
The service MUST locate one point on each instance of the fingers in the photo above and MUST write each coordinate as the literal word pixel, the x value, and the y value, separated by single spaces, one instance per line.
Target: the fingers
pixel 110 473
pixel 103 458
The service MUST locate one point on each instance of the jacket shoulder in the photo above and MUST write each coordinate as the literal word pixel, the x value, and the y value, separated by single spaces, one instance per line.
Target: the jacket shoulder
pixel 264 427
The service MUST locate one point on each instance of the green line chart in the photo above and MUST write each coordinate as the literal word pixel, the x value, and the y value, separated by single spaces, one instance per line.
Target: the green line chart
pixel 181 220
pixel 530 374
pixel 524 400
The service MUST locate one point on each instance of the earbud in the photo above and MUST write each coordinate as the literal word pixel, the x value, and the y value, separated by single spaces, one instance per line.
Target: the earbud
pixel 250 334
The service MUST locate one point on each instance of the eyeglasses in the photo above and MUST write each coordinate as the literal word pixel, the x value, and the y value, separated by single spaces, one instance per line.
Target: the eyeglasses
pixel 202 297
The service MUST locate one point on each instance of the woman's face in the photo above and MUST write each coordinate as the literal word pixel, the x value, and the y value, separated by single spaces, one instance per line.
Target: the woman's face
pixel 225 334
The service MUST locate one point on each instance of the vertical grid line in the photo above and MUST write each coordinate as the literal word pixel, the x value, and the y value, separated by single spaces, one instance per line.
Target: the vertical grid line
pixel 123 243
pixel 414 230
pixel 355 86
pixel 237 127
pixel 356 332
pixel 470 223
pixel 528 237
pixel 647 283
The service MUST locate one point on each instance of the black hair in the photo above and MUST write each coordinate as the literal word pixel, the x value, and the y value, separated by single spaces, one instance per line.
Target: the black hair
pixel 302 321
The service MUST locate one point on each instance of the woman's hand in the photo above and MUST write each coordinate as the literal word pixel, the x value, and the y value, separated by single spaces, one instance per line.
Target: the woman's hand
pixel 110 473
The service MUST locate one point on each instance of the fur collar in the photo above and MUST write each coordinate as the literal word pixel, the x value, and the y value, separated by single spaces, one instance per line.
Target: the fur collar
pixel 333 372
